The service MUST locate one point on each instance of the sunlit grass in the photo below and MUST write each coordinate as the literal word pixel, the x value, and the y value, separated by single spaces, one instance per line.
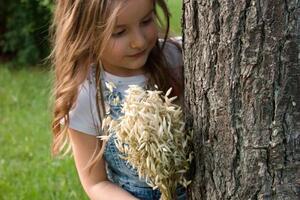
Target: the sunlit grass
pixel 175 10
pixel 27 170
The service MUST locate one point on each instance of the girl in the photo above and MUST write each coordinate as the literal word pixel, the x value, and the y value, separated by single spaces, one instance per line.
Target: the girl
pixel 100 41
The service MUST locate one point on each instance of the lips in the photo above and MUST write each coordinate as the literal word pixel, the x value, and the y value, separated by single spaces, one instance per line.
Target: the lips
pixel 138 54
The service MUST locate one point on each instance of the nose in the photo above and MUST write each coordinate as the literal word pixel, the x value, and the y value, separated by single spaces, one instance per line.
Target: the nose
pixel 138 40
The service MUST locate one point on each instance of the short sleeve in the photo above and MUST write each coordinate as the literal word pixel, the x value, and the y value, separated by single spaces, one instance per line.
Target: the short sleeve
pixel 84 117
pixel 174 57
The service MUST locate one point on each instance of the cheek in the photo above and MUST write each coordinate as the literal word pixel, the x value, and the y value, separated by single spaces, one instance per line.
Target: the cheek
pixel 152 34
pixel 116 49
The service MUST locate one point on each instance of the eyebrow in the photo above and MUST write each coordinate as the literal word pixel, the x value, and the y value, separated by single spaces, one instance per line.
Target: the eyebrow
pixel 123 25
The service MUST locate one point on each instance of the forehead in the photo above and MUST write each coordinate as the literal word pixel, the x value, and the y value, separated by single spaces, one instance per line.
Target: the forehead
pixel 133 11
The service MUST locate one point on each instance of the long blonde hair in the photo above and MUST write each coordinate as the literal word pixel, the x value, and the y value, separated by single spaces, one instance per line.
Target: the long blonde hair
pixel 80 30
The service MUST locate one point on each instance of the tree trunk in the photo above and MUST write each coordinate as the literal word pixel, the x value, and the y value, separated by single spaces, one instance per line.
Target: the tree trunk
pixel 242 96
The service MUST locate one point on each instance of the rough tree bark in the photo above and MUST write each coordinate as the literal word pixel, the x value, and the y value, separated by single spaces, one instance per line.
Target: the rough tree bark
pixel 242 93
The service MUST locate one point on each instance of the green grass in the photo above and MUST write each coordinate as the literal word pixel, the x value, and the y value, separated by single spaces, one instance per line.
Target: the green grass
pixel 27 171
pixel 175 9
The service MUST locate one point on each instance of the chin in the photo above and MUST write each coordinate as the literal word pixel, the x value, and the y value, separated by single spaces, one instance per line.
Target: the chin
pixel 136 67
pixel 139 64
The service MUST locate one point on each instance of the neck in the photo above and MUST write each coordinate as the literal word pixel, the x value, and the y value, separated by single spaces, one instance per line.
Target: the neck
pixel 125 72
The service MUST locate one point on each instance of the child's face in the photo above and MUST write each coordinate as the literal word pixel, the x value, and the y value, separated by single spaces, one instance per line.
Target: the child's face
pixel 134 35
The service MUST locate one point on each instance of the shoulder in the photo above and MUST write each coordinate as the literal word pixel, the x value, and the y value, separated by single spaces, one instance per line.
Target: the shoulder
pixel 84 99
pixel 83 115
pixel 173 51
pixel 86 90
pixel 84 94
pixel 173 55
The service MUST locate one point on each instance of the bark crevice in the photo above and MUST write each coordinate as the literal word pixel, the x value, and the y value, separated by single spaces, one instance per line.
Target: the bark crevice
pixel 242 78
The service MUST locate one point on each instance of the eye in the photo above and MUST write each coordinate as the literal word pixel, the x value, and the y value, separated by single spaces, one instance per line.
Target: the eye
pixel 147 21
pixel 117 34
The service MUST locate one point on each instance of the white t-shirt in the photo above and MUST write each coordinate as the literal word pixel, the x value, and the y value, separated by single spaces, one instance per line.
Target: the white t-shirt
pixel 84 116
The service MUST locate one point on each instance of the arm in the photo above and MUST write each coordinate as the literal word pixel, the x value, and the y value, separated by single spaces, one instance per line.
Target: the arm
pixel 95 183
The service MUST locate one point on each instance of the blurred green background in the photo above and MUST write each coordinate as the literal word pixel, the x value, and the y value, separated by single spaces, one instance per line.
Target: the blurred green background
pixel 27 170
